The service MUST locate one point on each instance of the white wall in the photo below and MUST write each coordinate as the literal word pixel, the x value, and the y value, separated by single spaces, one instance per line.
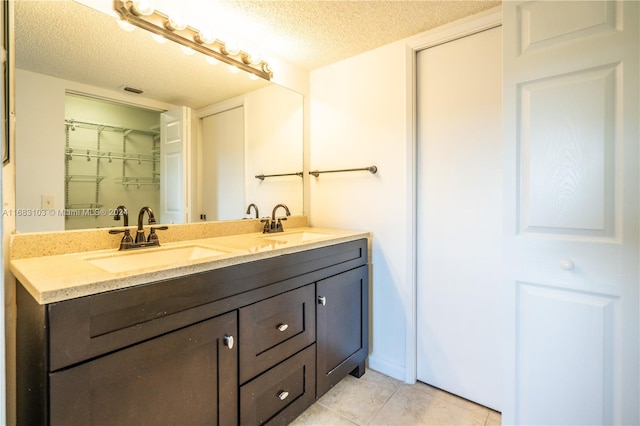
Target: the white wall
pixel 274 142
pixel 360 112
pixel 39 155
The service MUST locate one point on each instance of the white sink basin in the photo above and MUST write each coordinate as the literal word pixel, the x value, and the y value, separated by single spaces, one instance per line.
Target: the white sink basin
pixel 296 237
pixel 152 258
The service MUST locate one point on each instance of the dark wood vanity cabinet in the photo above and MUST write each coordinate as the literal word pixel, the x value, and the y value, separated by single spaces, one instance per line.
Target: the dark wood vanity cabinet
pixel 246 344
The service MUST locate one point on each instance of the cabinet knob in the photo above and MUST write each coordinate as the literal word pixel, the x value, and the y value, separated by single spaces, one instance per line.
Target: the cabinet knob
pixel 283 327
pixel 322 300
pixel 567 264
pixel 229 342
pixel 283 395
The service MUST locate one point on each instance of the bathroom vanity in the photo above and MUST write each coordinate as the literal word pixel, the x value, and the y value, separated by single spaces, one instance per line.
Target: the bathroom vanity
pixel 253 337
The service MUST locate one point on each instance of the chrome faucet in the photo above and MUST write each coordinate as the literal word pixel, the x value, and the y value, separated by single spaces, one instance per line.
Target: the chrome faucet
pixel 255 208
pixel 140 238
pixel 273 226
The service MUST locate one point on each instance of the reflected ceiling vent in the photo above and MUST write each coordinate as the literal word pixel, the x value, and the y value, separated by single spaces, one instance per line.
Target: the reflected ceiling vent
pixel 129 89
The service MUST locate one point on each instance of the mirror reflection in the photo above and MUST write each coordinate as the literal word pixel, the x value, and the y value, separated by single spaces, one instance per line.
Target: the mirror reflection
pixel 80 152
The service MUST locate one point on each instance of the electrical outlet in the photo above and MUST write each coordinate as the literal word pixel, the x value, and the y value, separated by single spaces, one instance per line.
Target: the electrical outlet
pixel 48 201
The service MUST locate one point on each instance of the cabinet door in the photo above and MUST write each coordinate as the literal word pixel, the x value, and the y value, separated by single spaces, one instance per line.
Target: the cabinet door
pixel 342 326
pixel 189 376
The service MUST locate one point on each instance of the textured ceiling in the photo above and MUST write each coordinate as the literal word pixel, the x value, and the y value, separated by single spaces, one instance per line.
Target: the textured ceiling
pixel 316 33
pixel 66 39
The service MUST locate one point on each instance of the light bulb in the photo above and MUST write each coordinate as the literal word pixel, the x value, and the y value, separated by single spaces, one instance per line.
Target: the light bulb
pixel 187 50
pixel 231 49
pixel 254 58
pixel 125 25
pixel 176 23
pixel 143 7
pixel 205 36
pixel 158 38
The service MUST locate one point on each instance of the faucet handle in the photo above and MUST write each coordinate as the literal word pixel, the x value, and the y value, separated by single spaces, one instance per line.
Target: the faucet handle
pixel 153 237
pixel 127 239
pixel 127 232
pixel 279 227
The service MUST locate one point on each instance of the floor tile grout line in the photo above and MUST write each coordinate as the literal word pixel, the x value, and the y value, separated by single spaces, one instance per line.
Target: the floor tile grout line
pixel 486 419
pixel 337 413
pixel 455 401
pixel 368 422
pixel 398 386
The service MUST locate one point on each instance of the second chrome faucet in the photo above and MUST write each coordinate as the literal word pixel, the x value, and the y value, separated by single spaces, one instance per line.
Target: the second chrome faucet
pixel 255 208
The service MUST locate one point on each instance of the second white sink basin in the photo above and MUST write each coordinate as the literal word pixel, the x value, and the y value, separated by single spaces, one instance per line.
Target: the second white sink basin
pixel 296 237
pixel 153 257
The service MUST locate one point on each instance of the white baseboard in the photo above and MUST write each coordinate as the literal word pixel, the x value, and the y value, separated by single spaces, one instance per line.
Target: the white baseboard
pixel 387 368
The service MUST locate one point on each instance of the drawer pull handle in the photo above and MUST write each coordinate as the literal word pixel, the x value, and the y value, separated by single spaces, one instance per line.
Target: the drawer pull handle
pixel 283 395
pixel 229 342
pixel 322 300
pixel 283 327
pixel 567 264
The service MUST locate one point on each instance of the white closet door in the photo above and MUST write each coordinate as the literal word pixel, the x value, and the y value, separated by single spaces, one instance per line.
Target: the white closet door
pixel 460 217
pixel 571 212
pixel 175 200
pixel 223 162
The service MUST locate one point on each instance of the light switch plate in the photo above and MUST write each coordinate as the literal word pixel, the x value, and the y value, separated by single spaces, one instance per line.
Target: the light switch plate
pixel 48 201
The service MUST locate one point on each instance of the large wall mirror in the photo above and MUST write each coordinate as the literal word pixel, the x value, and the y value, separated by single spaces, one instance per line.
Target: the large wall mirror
pixel 238 127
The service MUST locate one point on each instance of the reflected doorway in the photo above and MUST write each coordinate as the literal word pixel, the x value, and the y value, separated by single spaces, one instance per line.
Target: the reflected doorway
pixel 111 159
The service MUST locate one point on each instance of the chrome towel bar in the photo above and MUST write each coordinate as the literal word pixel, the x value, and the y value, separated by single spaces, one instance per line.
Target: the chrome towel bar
pixel 370 169
pixel 261 177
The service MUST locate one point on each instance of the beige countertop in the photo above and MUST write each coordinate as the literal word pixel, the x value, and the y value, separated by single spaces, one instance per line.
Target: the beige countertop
pixel 55 278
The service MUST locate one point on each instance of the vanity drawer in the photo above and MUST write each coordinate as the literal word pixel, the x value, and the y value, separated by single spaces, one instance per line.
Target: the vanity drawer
pixel 274 329
pixel 282 393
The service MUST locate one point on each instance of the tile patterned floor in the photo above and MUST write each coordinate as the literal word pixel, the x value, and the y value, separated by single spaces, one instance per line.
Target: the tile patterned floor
pixel 376 399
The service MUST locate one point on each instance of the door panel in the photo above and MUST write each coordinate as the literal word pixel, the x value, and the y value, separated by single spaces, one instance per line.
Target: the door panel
pixel 223 171
pixel 571 212
pixel 542 23
pixel 459 217
pixel 557 327
pixel 342 319
pixel 568 142
pixel 175 183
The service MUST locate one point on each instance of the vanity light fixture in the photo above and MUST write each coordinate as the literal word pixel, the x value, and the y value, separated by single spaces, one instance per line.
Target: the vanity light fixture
pixel 141 14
